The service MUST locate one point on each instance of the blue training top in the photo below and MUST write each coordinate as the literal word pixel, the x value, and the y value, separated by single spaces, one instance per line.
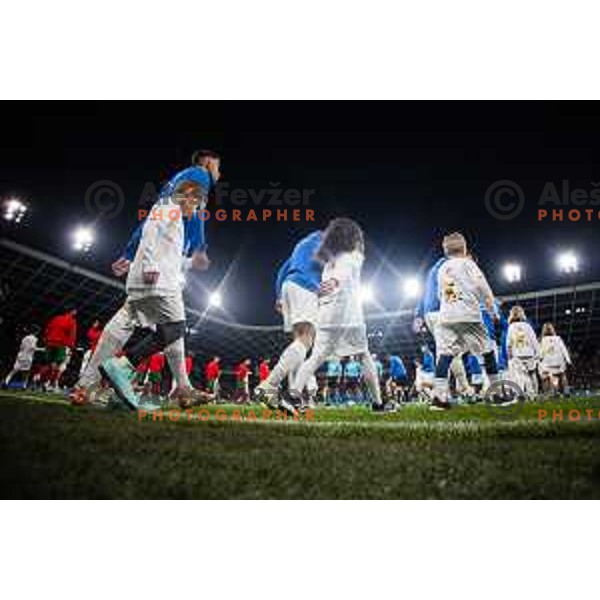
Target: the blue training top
pixel 301 267
pixel 430 301
pixel 194 231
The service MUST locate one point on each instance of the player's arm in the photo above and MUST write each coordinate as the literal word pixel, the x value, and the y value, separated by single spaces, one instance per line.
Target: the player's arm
pixel 148 254
pixel 534 341
pixel 195 242
pixel 485 291
pixel 121 266
pixel 282 273
pixel 565 352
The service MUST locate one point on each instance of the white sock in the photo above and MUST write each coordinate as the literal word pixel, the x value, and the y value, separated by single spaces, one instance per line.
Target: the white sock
pixel 289 362
pixel 107 347
pixel 312 386
pixel 9 377
pixel 175 353
pixel 371 378
pixel 440 389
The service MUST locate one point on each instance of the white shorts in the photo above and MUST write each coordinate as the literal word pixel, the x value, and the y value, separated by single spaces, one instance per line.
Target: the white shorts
pixel 341 341
pixel 456 338
pixel 23 363
pixel 156 310
pixel 298 305
pixel 547 370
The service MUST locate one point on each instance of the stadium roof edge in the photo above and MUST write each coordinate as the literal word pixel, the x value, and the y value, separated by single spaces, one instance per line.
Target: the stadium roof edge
pixel 59 262
pixel 118 285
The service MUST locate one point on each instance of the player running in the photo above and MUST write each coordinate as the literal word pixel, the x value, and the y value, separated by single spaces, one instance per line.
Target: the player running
pixel 24 359
pixel 60 338
pixel 154 286
pixel 296 290
pixel 342 330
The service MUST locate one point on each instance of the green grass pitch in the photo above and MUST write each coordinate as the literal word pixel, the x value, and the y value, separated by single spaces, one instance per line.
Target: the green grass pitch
pixel 52 450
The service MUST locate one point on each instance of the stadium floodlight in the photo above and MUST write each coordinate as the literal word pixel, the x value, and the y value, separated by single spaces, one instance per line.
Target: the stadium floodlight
pixel 411 287
pixel 215 299
pixel 512 272
pixel 568 262
pixel 366 294
pixel 14 210
pixel 83 238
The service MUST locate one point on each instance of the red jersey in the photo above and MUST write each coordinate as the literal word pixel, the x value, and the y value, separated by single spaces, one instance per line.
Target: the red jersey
pixel 93 335
pixel 212 370
pixel 61 331
pixel 189 364
pixel 263 370
pixel 241 372
pixel 142 366
pixel 156 363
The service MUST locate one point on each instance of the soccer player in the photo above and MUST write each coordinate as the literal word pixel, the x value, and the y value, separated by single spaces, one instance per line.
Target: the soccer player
pixel 424 374
pixel 352 372
pixel 93 335
pixel 242 380
pixel 296 290
pixel 264 370
pixel 523 352
pixel 154 286
pixel 398 379
pixel 212 373
pixel 461 288
pixel 333 377
pixel 428 307
pixel 475 373
pixel 60 335
pixel 24 359
pixel 555 359
pixel 342 330
pixel 156 364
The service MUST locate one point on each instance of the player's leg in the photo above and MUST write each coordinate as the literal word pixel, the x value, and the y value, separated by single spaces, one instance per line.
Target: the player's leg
pixel 323 347
pixel 9 377
pixel 300 313
pixel 371 378
pixel 446 341
pixel 114 336
pixel 291 358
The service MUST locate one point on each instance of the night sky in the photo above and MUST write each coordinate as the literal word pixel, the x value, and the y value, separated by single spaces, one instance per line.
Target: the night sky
pixel 408 172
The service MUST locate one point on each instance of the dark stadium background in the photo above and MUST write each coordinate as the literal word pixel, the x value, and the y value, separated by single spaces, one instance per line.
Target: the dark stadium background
pixel 408 172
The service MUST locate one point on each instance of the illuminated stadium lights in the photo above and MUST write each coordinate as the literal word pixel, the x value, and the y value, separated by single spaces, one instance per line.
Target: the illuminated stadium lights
pixel 366 294
pixel 512 272
pixel 568 262
pixel 83 238
pixel 216 300
pixel 14 210
pixel 411 287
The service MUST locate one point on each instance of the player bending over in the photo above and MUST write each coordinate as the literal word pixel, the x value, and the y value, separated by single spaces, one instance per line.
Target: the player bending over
pixel 154 289
pixel 460 329
pixel 342 330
